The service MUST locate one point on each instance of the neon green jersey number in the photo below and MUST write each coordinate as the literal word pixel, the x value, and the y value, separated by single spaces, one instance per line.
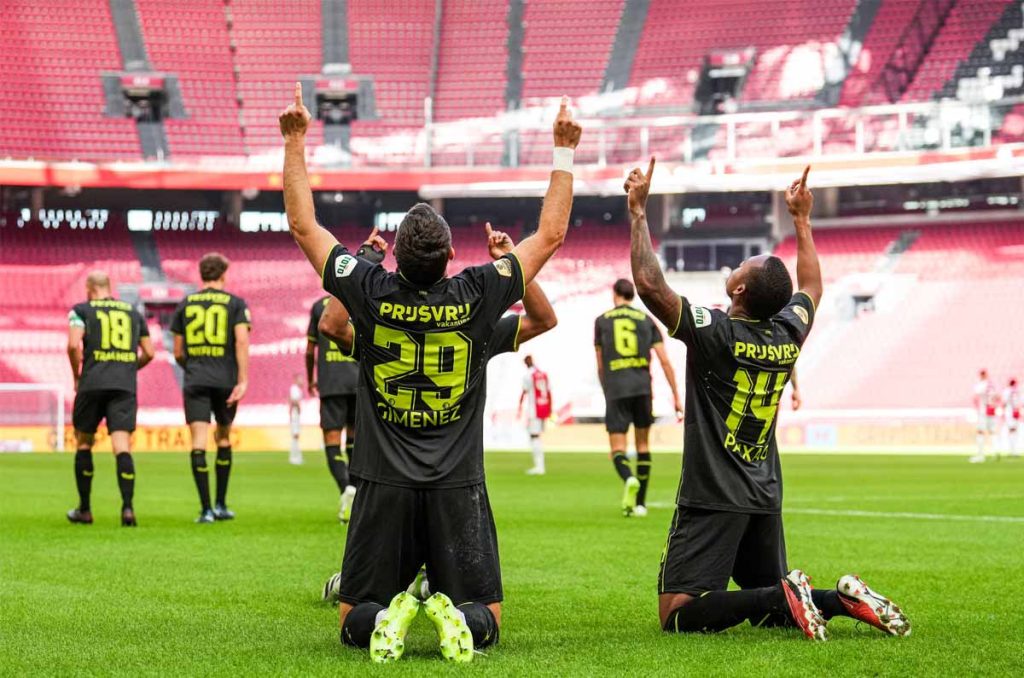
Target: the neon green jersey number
pixel 386 375
pixel 115 330
pixel 443 358
pixel 754 398
pixel 206 325
pixel 626 343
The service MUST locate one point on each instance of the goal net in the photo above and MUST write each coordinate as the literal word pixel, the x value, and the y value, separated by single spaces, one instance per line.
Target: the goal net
pixel 31 417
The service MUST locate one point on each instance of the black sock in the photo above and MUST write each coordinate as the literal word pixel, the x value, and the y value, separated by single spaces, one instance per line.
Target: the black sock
pixel 827 600
pixel 223 473
pixel 359 623
pixel 718 610
pixel 621 465
pixel 336 463
pixel 202 477
pixel 350 446
pixel 126 479
pixel 83 478
pixel 481 623
pixel 643 474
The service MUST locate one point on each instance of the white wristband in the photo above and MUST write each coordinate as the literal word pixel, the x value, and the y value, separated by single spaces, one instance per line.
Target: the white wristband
pixel 563 158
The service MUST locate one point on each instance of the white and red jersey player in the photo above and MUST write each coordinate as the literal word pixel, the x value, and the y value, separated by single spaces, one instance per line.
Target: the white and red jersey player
pixel 1011 415
pixel 985 401
pixel 536 400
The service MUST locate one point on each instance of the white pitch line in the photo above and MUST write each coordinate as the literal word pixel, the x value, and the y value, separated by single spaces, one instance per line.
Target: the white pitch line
pixel 855 513
pixel 901 514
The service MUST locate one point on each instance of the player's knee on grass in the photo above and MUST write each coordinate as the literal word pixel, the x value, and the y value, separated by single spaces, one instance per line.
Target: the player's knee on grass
pixel 482 624
pixel 358 624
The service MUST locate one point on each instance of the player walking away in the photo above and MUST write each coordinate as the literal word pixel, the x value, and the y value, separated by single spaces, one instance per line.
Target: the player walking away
pixel 728 519
pixel 108 343
pixel 1011 416
pixel 985 409
pixel 211 341
pixel 536 396
pixel 294 414
pixel 423 341
pixel 623 339
pixel 335 383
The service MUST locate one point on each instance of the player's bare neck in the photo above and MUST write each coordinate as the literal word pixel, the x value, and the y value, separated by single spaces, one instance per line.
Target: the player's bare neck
pixel 737 311
pixel 214 284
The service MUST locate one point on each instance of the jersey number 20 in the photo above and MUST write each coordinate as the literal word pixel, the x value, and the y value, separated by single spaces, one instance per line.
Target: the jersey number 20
pixel 206 325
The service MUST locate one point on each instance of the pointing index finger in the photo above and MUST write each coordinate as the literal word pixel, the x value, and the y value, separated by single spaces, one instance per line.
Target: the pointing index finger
pixel 298 94
pixel 487 228
pixel 565 105
pixel 803 179
pixel 650 170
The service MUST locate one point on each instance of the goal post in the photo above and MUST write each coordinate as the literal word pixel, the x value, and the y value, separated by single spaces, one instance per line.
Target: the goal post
pixel 31 417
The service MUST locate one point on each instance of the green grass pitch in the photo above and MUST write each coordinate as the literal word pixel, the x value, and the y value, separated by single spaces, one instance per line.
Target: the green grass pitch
pixel 242 598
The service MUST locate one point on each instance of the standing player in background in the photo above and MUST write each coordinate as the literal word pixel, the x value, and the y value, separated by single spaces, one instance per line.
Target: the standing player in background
pixel 105 337
pixel 728 521
pixel 536 396
pixel 295 419
pixel 623 339
pixel 423 340
pixel 985 410
pixel 211 342
pixel 335 382
pixel 1011 416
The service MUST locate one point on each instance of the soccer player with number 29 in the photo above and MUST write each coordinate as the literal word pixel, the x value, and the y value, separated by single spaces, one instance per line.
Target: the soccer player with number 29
pixel 728 521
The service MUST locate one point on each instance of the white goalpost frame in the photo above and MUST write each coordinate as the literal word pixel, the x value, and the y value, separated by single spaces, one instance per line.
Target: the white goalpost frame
pixel 57 390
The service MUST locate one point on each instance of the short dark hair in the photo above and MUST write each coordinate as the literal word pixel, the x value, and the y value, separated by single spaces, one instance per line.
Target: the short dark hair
pixel 624 289
pixel 769 289
pixel 213 266
pixel 422 244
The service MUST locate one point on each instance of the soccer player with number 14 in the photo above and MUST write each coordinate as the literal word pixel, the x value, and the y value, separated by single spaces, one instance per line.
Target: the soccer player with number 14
pixel 728 521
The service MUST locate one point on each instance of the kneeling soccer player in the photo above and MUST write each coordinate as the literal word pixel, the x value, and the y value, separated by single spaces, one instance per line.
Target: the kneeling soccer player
pixel 105 336
pixel 422 340
pixel 728 519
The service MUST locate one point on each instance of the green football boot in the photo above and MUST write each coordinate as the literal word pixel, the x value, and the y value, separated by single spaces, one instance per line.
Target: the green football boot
pixel 455 639
pixel 629 492
pixel 387 643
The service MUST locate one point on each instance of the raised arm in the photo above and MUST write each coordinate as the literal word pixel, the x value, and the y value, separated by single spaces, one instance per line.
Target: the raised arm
pixel 534 252
pixel 539 315
pixel 650 283
pixel 316 242
pixel 799 200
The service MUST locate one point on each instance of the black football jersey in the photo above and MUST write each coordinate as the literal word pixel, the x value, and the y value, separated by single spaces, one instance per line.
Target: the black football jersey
pixel 423 355
pixel 206 320
pixel 626 336
pixel 336 373
pixel 736 370
pixel 112 332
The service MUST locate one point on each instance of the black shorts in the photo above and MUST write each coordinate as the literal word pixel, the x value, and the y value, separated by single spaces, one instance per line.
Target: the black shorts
pixel 395 530
pixel 337 412
pixel 621 412
pixel 706 548
pixel 201 401
pixel 117 407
